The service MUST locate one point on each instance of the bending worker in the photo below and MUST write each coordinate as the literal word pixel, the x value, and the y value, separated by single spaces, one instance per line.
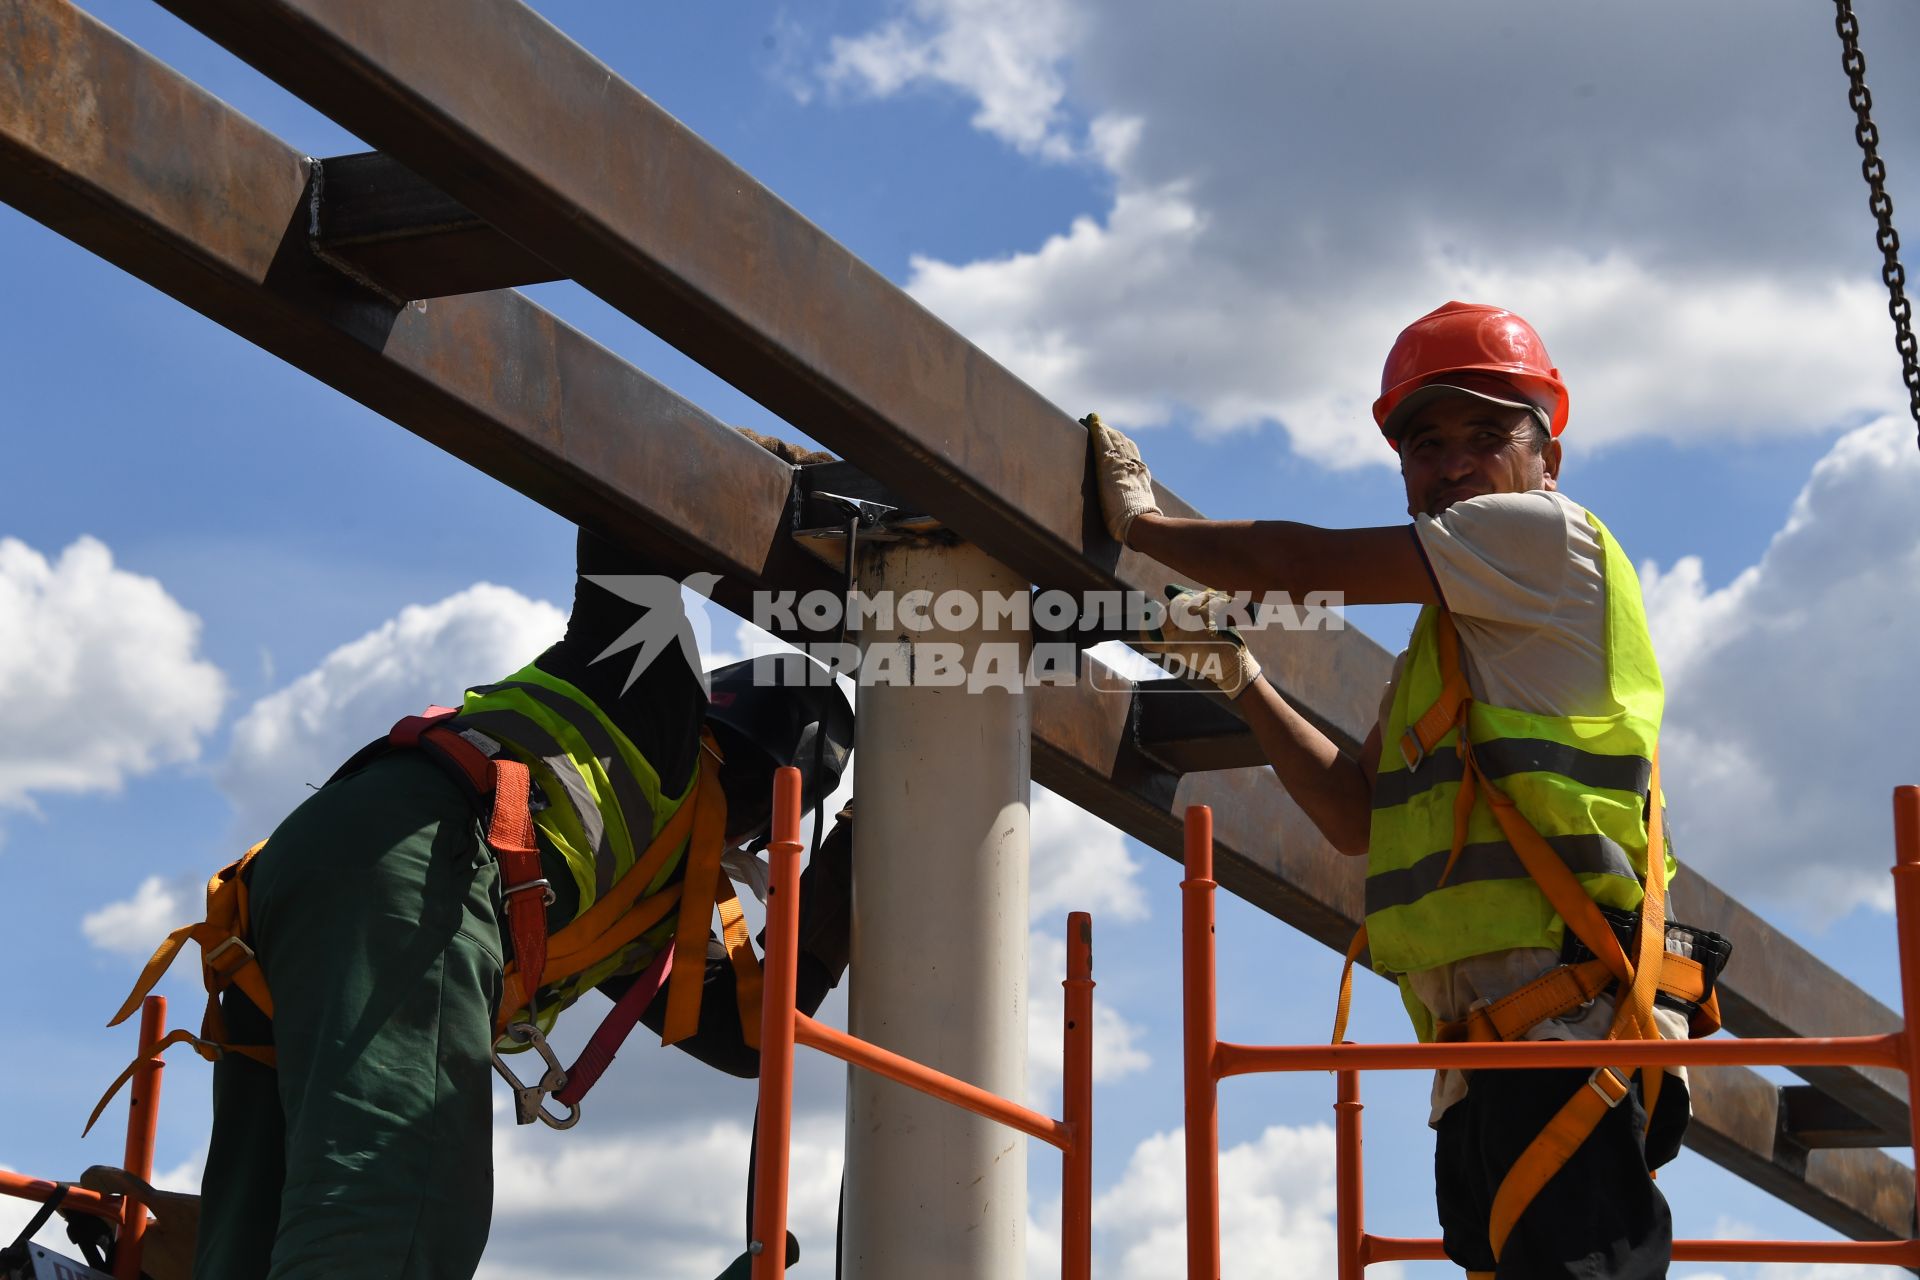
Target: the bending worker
pixel 1533 640
pixel 387 933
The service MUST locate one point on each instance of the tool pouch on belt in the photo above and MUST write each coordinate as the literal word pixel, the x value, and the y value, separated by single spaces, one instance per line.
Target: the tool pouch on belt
pixel 1704 947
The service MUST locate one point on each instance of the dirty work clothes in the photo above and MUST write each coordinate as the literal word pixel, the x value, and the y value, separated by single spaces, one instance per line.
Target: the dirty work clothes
pixel 369 1152
pixel 1599 1218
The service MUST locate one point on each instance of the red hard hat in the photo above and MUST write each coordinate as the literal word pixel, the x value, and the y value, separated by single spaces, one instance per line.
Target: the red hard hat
pixel 1470 336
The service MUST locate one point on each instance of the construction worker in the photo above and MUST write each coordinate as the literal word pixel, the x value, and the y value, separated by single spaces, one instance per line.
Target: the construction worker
pixel 381 918
pixel 1533 640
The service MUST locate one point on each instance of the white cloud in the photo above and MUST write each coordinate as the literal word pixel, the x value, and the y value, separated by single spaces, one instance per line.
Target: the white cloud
pixel 185 1176
pixel 1080 863
pixel 1276 1206
pixel 100 678
pixel 677 1194
pixel 1786 687
pixel 299 735
pixel 1149 320
pixel 134 926
pixel 1118 1043
pixel 1004 54
pixel 1280 209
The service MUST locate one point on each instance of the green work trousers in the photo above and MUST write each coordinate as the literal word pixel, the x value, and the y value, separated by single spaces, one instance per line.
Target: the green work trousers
pixel 368 1153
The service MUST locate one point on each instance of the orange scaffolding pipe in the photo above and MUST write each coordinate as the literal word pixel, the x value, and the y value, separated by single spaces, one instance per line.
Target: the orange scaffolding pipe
pixel 128 1213
pixel 1210 1060
pixel 782 1027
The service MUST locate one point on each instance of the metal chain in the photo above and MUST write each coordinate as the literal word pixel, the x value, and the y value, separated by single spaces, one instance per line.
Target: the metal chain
pixel 1875 171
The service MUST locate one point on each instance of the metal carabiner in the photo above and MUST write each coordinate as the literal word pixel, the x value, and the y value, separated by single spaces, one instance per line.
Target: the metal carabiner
pixel 530 1100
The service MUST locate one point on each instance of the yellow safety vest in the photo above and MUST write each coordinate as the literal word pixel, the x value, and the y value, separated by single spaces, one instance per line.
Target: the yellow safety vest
pixel 1581 781
pixel 623 842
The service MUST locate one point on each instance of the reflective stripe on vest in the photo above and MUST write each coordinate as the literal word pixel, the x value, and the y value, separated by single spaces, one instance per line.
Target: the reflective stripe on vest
pixel 1580 780
pixel 604 803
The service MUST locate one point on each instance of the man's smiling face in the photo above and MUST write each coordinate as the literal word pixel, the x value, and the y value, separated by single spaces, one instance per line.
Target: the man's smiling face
pixel 1459 446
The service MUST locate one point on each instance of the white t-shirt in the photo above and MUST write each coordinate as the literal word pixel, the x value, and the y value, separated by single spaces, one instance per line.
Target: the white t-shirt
pixel 1523 576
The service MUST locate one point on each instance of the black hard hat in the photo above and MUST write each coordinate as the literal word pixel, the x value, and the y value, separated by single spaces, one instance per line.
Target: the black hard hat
pixel 763 724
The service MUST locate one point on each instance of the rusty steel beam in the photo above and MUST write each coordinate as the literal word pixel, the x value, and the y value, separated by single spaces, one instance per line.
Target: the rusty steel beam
pixel 1193 731
pixel 385 225
pixel 141 166
pixel 630 203
pixel 128 159
pixel 1812 1119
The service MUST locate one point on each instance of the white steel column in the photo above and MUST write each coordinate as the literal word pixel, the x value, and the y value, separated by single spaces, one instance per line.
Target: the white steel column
pixel 941 789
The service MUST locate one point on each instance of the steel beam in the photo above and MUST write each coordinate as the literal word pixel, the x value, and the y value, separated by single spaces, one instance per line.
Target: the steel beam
pixel 110 148
pixel 629 202
pixel 134 162
pixel 385 225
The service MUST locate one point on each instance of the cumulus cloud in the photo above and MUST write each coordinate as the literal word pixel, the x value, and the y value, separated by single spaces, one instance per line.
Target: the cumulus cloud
pixel 1080 863
pixel 669 1201
pixel 1281 208
pixel 298 735
pixel 1784 686
pixel 1147 318
pixel 134 926
pixel 100 675
pixel 1276 1209
pixel 1003 54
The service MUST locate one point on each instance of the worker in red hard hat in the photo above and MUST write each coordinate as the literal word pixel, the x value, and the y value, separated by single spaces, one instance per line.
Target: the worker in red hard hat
pixel 1502 798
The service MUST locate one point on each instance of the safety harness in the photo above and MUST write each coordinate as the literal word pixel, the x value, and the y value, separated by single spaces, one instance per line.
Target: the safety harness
pixel 500 788
pixel 1635 980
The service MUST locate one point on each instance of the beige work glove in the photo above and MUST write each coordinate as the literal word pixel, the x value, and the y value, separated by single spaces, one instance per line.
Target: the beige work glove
pixel 1126 490
pixel 166 1250
pixel 1198 641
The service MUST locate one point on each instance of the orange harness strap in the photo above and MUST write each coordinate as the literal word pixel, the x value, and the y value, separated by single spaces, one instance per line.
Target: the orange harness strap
pixel 1448 713
pixel 225 960
pixel 705 888
pixel 1633 1019
pixel 626 911
pixel 1637 980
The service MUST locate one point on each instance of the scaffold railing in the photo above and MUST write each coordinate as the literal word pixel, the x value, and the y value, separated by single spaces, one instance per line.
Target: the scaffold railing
pixel 782 1027
pixel 126 1212
pixel 1208 1060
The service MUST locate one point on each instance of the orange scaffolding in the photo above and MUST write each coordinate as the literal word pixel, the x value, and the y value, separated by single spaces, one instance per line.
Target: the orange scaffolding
pixel 1210 1060
pixel 143 1117
pixel 782 1027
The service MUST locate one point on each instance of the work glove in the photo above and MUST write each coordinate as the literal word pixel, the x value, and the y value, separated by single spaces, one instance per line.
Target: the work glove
pixel 1126 490
pixel 166 1251
pixel 1198 642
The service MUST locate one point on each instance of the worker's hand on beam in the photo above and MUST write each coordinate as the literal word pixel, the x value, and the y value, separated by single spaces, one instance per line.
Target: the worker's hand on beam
pixel 1126 490
pixel 1197 641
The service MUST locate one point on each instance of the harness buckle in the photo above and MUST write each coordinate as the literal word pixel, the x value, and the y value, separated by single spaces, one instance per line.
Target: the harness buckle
pixel 1418 752
pixel 548 896
pixel 234 940
pixel 1614 1091
pixel 530 1100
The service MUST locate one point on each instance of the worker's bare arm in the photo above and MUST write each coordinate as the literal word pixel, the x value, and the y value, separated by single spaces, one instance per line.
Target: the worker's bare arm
pixel 1332 788
pixel 1367 566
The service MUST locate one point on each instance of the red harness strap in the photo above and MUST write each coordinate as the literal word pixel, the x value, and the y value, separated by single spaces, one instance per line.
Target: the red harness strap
pixel 509 832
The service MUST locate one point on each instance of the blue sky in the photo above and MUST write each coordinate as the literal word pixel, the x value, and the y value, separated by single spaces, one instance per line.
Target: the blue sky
pixel 1207 222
